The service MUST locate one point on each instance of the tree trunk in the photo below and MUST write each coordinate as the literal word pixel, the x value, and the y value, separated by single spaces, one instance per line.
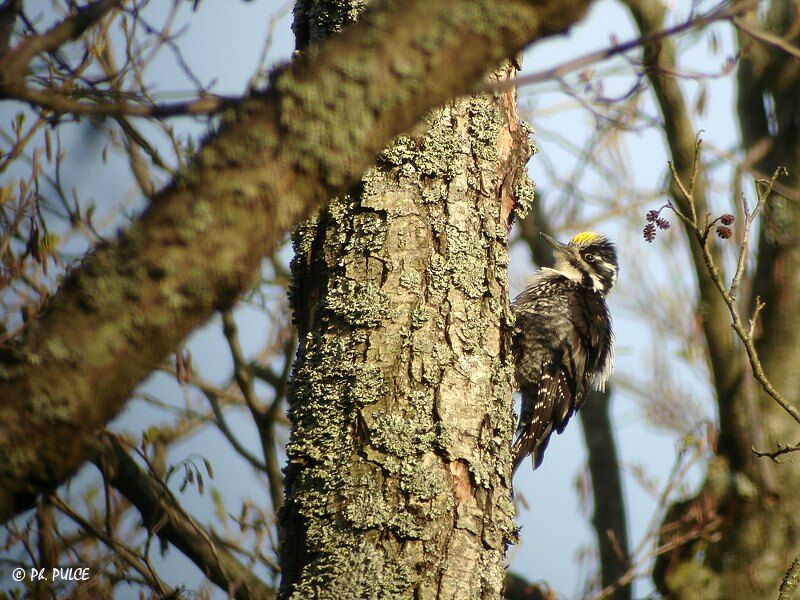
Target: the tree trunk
pixel 275 158
pixel 608 517
pixel 398 482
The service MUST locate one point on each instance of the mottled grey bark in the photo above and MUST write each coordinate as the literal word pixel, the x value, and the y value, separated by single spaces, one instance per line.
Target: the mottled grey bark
pixel 398 483
pixel 755 516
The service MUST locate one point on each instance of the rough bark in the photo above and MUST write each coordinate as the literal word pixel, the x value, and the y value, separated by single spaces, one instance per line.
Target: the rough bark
pixel 398 482
pixel 200 243
pixel 757 529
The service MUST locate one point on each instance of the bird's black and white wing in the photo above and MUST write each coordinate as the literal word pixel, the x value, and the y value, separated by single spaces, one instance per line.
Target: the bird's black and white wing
pixel 549 367
pixel 592 335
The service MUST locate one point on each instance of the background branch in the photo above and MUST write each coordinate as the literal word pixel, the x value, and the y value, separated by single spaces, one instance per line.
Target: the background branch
pixel 702 234
pixel 163 516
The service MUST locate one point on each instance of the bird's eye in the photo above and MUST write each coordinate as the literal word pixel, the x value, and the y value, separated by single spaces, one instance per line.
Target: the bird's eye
pixel 589 258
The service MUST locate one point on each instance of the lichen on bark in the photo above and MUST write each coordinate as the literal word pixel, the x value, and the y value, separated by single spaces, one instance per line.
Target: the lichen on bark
pixel 398 482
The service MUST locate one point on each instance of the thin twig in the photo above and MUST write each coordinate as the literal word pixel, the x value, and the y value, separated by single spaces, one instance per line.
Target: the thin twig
pixel 241 372
pixel 701 232
pixel 791 581
pixel 766 37
pixel 165 516
pixel 723 12
pixel 121 550
pixel 222 425
pixel 756 311
pixel 15 63
pixel 779 452
pixel 641 555
pixel 205 104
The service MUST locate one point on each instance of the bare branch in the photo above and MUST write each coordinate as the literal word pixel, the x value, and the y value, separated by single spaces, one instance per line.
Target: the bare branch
pixel 722 12
pixel 689 197
pixel 659 59
pixel 120 550
pixel 264 419
pixel 779 452
pixel 652 544
pixel 701 233
pixel 59 103
pixel 222 424
pixel 241 372
pixel 766 37
pixel 756 311
pixel 163 515
pixel 14 64
pixel 791 581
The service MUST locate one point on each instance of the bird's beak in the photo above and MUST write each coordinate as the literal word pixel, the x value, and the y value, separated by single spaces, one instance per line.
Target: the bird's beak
pixel 558 246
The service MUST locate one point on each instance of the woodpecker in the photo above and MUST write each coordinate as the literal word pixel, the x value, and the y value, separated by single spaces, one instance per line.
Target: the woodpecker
pixel 563 341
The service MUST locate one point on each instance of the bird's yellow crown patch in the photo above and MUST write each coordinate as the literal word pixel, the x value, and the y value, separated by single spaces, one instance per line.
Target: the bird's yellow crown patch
pixel 585 237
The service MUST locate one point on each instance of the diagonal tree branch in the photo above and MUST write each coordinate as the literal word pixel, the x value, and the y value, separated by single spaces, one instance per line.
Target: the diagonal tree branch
pixel 119 549
pixel 14 64
pixel 766 37
pixel 200 243
pixel 791 581
pixel 163 515
pixel 723 12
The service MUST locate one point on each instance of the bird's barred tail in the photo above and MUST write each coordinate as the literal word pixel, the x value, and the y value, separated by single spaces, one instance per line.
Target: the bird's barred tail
pixel 521 449
pixel 526 445
pixel 535 427
pixel 525 440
